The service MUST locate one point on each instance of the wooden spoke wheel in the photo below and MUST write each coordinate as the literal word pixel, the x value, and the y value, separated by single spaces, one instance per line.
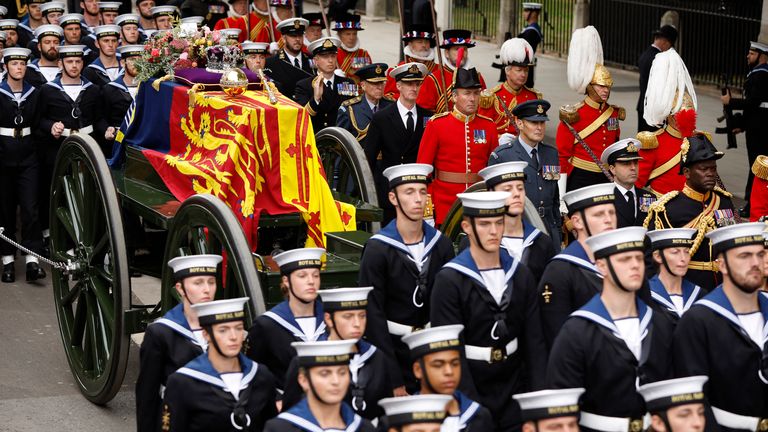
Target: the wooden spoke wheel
pixel 205 225
pixel 87 229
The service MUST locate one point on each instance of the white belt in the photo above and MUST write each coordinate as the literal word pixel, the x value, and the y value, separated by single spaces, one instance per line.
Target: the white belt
pixel 398 329
pixel 613 424
pixel 763 105
pixel 15 133
pixel 82 130
pixel 738 421
pixel 490 355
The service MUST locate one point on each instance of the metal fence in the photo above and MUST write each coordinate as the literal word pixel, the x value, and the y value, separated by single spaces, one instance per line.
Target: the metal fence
pixel 556 23
pixel 479 16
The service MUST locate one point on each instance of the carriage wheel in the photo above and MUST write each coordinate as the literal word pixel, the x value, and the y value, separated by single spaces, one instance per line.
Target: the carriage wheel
pixel 205 225
pixel 87 228
pixel 346 167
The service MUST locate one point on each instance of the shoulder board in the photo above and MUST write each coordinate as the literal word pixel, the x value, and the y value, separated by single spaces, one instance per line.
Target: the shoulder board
pixel 621 112
pixel 722 191
pixel 437 116
pixel 570 113
pixel 487 99
pixel 760 167
pixel 354 100
pixel 649 140
pixel 496 88
pixel 484 117
pixel 539 95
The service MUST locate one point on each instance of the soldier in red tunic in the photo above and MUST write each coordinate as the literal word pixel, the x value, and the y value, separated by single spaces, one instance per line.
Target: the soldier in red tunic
pixel 458 144
pixel 350 56
pixel 758 200
pixel 258 20
pixel 419 48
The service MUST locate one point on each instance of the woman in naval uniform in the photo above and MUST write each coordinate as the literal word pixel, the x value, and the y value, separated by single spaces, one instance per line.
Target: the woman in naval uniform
pixel 324 376
pixel 299 318
pixel 176 338
pixel 221 390
pixel 669 289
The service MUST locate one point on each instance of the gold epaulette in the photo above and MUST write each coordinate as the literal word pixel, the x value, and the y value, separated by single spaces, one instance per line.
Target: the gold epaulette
pixel 539 95
pixel 722 191
pixel 497 88
pixel 439 115
pixel 657 207
pixel 354 100
pixel 388 97
pixel 622 113
pixel 760 167
pixel 487 99
pixel 484 117
pixel 649 140
pixel 570 113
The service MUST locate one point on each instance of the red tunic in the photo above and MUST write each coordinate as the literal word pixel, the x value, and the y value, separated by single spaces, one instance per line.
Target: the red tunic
pixel 259 30
pixel 350 62
pixel 758 196
pixel 431 98
pixel 598 137
pixel 459 147
pixel 390 89
pixel 494 110
pixel 660 166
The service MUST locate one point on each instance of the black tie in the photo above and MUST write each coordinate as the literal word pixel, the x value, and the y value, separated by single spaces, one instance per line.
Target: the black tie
pixel 375 108
pixel 329 85
pixel 535 160
pixel 296 63
pixel 409 123
pixel 630 202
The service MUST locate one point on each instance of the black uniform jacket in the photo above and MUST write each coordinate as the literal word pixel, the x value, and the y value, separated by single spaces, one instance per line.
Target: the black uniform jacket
pixel 660 296
pixel 627 216
pixel 197 398
pixel 271 335
pixel 286 73
pixel 168 345
pixel 18 114
pixel 117 100
pixel 97 73
pixel 33 75
pixel 644 63
pixel 537 250
pixel 367 386
pixel 590 353
pixel 710 340
pixel 356 114
pixel 400 292
pixel 460 296
pixel 300 418
pixel 755 93
pixel 324 113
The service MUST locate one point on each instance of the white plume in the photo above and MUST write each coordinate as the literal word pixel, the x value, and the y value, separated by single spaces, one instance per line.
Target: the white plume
pixel 516 50
pixel 585 52
pixel 668 78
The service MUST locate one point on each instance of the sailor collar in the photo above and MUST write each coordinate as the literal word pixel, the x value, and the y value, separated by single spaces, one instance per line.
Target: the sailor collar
pixel 282 315
pixel 719 303
pixel 576 254
pixel 99 66
pixel 201 369
pixel 176 321
pixel 465 264
pixel 301 416
pixel 759 68
pixel 467 408
pixel 26 90
pixel 389 235
pixel 530 233
pixel 660 294
pixel 57 83
pixel 596 312
pixel 119 83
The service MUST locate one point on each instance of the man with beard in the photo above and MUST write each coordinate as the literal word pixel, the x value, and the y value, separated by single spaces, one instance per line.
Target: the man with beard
pixel 46 68
pixel 51 13
pixel 90 9
pixel 129 29
pixel 419 48
pixel 10 27
pixel 118 95
pixel 351 57
pixel 144 8
pixel 106 68
pixel 290 64
pixel 730 320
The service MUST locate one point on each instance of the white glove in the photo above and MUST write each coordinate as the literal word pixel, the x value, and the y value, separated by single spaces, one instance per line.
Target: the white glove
pixel 506 138
pixel 273 47
pixel 561 187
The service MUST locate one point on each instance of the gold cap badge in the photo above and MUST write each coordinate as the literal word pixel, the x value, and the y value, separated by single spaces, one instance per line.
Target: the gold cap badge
pixel 328 44
pixel 413 69
pixel 378 70
pixel 540 109
pixel 297 24
pixel 632 148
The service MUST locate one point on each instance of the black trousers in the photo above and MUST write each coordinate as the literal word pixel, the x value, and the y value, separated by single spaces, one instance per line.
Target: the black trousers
pixel 19 190
pixel 579 178
pixel 754 150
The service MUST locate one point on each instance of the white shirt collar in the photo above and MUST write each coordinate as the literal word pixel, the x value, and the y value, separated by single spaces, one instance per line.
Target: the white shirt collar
pixel 624 191
pixel 290 57
pixel 404 112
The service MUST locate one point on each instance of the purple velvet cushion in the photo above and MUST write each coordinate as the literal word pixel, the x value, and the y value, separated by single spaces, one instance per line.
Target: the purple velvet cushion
pixel 202 76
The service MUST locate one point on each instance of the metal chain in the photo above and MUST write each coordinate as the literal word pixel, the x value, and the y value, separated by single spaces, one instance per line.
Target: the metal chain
pixel 63 266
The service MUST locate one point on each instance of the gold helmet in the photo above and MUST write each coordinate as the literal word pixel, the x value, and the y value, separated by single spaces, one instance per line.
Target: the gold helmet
pixel 602 76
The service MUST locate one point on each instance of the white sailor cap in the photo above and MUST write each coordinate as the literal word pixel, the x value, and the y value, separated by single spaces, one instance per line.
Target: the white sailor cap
pixel 164 10
pixel 324 44
pixel 198 21
pixel 531 6
pixel 109 6
pixel 127 51
pixel 220 311
pixel 292 26
pixel 671 237
pixel 758 46
pixel 194 265
pixel 295 259
pixel 71 51
pixel 9 24
pixel 662 395
pixel 125 19
pixel 503 172
pixel 621 151
pixel 49 7
pixel 345 298
pixel 413 71
pixel 106 30
pixel 407 173
pixel 484 204
pixel 3 11
pixel 425 408
pixel 589 196
pixel 249 47
pixel 16 53
pixel 324 353
pixel 230 33
pixel 546 404
pixel 70 18
pixel 738 235
pixel 433 339
pixel 49 30
pixel 617 241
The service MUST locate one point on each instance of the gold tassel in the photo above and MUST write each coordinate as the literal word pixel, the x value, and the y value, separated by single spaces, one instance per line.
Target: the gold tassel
pixel 156 83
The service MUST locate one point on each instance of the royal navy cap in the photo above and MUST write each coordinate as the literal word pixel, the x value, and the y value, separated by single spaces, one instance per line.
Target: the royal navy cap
pixel 324 353
pixel 532 110
pixel 71 51
pixel 165 10
pixel 130 18
pixel 49 30
pixel 70 18
pixel 413 71
pixel 348 22
pixel 9 24
pixel 345 298
pixel 531 6
pixel 424 408
pixel 127 51
pixel 324 45
pixel 697 148
pixel 230 33
pixel 733 236
pixel 220 311
pixel 194 265
pixel 197 20
pixel 109 6
pixel 467 79
pixel 589 196
pixel 661 395
pixel 293 26
pixel 376 72
pixel 546 404
pixel 616 241
pixel 671 237
pixel 16 53
pixel 457 37
pixel 503 172
pixel 249 47
pixel 49 7
pixel 484 204
pixel 407 173
pixel 314 19
pixel 106 31
pixel 296 259
pixel 621 151
pixel 759 47
pixel 433 339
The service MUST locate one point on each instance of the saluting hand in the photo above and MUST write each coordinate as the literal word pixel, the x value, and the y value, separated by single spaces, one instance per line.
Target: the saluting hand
pixel 57 129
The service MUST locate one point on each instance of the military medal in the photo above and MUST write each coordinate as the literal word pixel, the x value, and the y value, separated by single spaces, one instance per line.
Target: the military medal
pixel 724 217
pixel 612 124
pixel 480 136
pixel 644 203
pixel 550 172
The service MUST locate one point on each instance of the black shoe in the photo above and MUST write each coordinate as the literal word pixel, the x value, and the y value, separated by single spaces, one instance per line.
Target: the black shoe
pixel 9 273
pixel 34 272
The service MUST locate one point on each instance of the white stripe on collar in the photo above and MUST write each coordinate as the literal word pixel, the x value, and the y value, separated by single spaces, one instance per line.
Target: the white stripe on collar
pixel 579 262
pixel 308 425
pixel 20 99
pixel 531 237
pixel 296 332
pixel 179 329
pixel 468 414
pixel 598 319
pixel 399 245
pixel 477 277
pixel 670 306
pixel 202 377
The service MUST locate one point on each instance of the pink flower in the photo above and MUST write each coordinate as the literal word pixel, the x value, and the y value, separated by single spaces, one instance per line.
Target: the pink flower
pixel 155 52
pixel 183 56
pixel 215 36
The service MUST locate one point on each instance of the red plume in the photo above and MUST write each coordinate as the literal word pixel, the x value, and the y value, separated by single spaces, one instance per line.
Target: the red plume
pixel 686 121
pixel 460 57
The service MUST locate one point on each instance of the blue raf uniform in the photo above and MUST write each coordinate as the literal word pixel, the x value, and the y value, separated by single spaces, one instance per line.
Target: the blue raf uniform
pixel 356 114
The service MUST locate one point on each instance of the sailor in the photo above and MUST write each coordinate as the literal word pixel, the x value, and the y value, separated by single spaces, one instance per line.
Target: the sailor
pixel 594 120
pixel 298 318
pixel 458 143
pixel 701 205
pixel 109 11
pixel 758 203
pixel 52 11
pixel 346 319
pixel 674 116
pixel 731 319
pixel 419 47
pixel 324 375
pixel 543 183
pixel 176 338
pixel 75 33
pixel 129 29
pixel 495 299
pixel 34 18
pixel 676 405
pixel 144 8
pixel 46 68
pixel 615 342
pixel 571 278
pixel 420 413
pixel 355 114
pixel 631 202
pixel 436 355
pixel 90 9
pixel 164 16
pixel 10 28
pixel 221 389
pixel 395 132
pixel 228 35
pixel 19 166
pixel 521 239
pixel 106 68
pixel 531 32
pixel 259 20
pixel 400 262
pixel 671 253
pixel 517 60
pixel 350 56
pixel 322 95
pixel 118 95
pixel 290 64
pixel 550 410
